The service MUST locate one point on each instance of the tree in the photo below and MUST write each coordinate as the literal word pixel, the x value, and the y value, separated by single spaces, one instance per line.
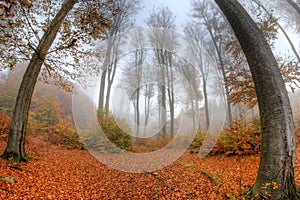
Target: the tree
pixel 238 77
pixel 42 52
pixel 16 139
pixel 132 76
pixel 193 93
pixel 164 43
pixel 289 13
pixel 195 33
pixel 282 29
pixel 208 16
pixel 294 5
pixel 124 9
pixel 278 135
pixel 138 61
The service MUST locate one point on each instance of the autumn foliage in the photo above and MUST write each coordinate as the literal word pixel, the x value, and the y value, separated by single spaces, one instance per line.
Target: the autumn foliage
pixel 4 124
pixel 94 136
pixel 242 138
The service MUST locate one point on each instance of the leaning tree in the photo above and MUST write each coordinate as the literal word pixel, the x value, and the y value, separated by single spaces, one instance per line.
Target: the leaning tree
pixel 275 179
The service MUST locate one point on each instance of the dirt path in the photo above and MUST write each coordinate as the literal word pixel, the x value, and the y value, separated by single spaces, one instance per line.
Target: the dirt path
pixel 59 173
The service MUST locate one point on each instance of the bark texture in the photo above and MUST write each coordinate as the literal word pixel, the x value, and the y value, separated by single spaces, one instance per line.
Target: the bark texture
pixel 278 135
pixel 16 138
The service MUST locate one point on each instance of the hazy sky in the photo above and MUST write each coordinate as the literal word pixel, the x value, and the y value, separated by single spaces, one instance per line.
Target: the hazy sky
pixel 180 8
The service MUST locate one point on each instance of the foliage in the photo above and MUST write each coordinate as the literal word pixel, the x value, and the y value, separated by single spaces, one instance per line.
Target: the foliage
pixel 50 116
pixel 22 25
pixel 4 124
pixel 93 138
pixel 114 133
pixel 239 79
pixel 197 142
pixel 290 72
pixel 63 132
pixel 242 138
pixel 53 126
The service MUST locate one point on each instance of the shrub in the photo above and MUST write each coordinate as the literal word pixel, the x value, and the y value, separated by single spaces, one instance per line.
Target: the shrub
pixel 61 133
pixel 114 133
pixel 93 137
pixel 197 142
pixel 242 138
pixel 4 124
pixel 65 133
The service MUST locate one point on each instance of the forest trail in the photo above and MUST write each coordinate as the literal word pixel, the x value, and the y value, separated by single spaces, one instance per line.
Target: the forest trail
pixel 56 172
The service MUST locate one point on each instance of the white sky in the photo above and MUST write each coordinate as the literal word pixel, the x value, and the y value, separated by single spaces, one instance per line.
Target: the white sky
pixel 182 9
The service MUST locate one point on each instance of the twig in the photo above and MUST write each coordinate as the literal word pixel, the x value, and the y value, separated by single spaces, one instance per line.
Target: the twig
pixel 15 167
pixel 210 177
pixel 159 179
pixel 6 190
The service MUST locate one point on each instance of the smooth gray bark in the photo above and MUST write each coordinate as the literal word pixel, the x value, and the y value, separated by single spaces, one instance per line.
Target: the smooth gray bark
pixel 278 135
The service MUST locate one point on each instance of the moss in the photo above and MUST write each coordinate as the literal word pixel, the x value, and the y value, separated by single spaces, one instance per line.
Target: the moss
pixel 16 157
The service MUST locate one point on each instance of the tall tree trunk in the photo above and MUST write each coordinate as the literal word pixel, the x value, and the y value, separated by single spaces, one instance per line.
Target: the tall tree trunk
pixel 222 68
pixel 170 92
pixel 106 64
pixel 193 111
pixel 16 138
pixel 163 110
pixel 146 109
pixel 111 77
pixel 138 111
pixel 278 135
pixel 206 104
pixel 294 5
pixel 101 94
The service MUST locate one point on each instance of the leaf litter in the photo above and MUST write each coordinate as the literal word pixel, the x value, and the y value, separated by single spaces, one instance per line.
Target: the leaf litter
pixel 56 172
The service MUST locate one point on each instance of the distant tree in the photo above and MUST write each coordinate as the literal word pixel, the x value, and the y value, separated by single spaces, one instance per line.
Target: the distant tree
pixel 207 16
pixel 289 12
pixel 194 32
pixel 281 28
pixel 121 21
pixel 164 43
pixel 278 135
pixel 294 5
pixel 192 77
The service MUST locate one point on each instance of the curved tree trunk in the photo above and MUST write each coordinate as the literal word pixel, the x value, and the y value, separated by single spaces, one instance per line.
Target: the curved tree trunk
pixel 278 135
pixel 294 5
pixel 16 138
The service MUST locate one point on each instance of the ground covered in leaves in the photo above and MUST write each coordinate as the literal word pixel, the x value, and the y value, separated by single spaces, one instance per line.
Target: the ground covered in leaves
pixel 56 172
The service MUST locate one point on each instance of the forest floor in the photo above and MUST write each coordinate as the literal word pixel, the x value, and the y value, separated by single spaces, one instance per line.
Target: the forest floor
pixel 56 172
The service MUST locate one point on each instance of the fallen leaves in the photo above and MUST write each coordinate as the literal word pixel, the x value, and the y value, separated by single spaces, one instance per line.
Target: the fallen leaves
pixel 59 173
